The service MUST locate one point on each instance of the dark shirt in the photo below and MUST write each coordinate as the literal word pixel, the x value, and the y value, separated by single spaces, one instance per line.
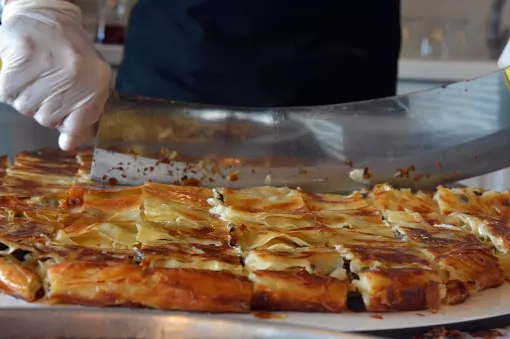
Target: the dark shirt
pixel 262 52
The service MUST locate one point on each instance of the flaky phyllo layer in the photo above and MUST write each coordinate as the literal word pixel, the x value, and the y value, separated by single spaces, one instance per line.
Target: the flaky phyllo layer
pixel 65 240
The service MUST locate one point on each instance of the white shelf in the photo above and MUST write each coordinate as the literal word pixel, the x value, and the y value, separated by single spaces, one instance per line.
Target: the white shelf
pixel 415 70
pixel 448 71
pixel 111 53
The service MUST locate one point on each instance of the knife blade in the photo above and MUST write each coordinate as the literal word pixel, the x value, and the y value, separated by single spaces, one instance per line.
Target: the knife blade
pixel 417 140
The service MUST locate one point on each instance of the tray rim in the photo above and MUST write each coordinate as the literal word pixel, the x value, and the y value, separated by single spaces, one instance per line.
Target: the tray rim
pixel 66 313
pixel 488 304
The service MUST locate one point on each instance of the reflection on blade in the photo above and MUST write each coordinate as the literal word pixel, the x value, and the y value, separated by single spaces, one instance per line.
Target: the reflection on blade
pixel 418 140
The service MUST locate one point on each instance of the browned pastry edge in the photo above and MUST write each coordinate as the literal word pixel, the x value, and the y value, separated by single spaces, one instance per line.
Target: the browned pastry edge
pixel 160 288
pixel 402 289
pixel 298 291
pixel 19 281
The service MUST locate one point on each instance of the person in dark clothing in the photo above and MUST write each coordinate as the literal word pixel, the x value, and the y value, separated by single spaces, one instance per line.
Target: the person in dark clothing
pixel 262 52
pixel 259 53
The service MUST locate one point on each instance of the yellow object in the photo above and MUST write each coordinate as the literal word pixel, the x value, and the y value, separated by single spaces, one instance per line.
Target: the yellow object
pixel 436 35
pixel 507 78
pixel 405 34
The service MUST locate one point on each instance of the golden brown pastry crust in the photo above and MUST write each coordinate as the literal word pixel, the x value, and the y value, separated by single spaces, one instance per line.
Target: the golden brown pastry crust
pixel 400 289
pixel 466 270
pixel 19 281
pixel 46 166
pixel 4 165
pixel 298 291
pixel 160 288
pixel 473 201
pixel 385 198
pixel 264 248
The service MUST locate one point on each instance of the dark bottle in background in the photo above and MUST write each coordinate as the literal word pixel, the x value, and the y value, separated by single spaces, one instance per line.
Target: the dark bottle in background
pixel 113 19
pixel 113 34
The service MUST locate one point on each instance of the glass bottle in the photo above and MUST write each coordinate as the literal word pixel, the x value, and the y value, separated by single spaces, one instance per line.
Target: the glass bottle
pixel 113 20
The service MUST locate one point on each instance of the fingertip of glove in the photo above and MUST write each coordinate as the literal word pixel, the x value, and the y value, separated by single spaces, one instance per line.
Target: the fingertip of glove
pixel 68 142
pixel 65 142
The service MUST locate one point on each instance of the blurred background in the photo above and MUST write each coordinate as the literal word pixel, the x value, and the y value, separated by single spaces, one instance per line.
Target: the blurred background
pixel 444 41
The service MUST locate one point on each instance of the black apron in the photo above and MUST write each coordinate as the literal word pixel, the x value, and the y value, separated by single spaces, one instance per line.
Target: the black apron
pixel 262 52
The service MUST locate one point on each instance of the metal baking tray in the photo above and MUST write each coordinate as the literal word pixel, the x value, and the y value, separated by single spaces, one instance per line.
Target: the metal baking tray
pixel 65 323
pixel 18 133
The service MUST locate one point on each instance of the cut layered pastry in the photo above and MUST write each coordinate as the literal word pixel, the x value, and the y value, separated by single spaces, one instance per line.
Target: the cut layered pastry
pixel 209 277
pixel 21 242
pixel 252 237
pixel 180 214
pixel 46 175
pixel 399 250
pixel 286 208
pixel 4 165
pixel 265 206
pixel 157 276
pixel 392 277
pixel 46 166
pixel 84 159
pixel 37 265
pixel 303 279
pixel 36 208
pixel 65 240
pixel 403 205
pixel 170 203
pixel 483 213
pixel 466 266
pixel 102 219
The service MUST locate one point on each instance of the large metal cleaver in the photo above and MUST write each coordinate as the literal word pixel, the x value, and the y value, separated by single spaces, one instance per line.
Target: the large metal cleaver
pixel 418 140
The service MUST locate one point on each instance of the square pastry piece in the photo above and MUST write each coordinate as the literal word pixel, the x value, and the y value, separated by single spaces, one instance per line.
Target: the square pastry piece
pixel 301 279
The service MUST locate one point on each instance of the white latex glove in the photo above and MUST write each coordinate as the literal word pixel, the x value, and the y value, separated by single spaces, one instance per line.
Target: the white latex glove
pixel 504 58
pixel 50 69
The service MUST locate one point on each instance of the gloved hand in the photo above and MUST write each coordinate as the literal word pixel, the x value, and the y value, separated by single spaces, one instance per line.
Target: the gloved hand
pixel 504 58
pixel 50 69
